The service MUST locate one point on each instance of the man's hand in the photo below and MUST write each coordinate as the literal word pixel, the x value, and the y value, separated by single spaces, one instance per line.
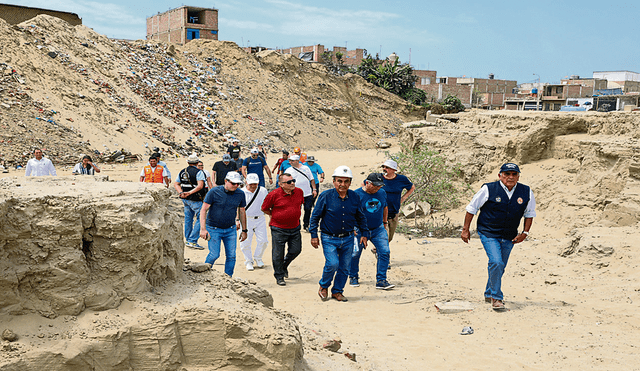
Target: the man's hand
pixel 237 225
pixel 315 242
pixel 363 241
pixel 465 235
pixel 203 233
pixel 183 195
pixel 519 238
pixel 243 236
pixel 270 180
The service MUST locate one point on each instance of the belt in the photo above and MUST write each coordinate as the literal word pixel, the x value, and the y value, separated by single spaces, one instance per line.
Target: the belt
pixel 338 235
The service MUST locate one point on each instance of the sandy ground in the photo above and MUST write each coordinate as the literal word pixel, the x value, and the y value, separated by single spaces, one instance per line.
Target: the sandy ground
pixel 567 313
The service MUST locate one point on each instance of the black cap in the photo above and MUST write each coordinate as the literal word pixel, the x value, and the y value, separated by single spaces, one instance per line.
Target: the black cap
pixel 509 166
pixel 285 152
pixel 376 179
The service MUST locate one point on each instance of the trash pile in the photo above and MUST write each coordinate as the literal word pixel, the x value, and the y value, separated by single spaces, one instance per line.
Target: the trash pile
pixel 80 92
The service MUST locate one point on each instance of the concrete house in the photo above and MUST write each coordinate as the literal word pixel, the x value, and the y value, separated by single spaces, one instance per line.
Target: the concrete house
pixel 183 24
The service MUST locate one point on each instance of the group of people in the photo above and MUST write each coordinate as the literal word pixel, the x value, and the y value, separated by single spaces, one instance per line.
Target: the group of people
pixel 343 221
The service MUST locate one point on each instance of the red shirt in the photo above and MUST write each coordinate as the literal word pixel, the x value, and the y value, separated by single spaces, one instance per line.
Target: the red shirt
pixel 280 161
pixel 285 209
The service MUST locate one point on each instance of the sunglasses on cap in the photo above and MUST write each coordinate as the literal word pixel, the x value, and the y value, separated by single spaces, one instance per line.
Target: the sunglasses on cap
pixel 290 181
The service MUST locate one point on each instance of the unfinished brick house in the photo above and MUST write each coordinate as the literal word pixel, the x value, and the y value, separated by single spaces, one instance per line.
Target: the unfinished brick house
pixel 314 53
pixel 14 14
pixel 183 24
pixel 487 93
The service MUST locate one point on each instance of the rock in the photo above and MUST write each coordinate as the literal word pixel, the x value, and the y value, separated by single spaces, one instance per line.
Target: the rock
pixel 333 345
pixel 454 306
pixel 424 207
pixel 200 267
pixel 383 144
pixel 9 335
pixel 65 248
pixel 410 211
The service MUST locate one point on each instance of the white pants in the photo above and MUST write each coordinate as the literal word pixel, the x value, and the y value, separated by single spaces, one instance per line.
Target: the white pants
pixel 259 228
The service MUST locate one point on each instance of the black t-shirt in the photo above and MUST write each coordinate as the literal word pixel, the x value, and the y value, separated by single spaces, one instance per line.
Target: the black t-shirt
pixel 221 170
pixel 234 151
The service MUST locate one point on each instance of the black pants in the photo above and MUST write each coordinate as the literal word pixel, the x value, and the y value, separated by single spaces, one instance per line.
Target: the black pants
pixel 308 205
pixel 280 237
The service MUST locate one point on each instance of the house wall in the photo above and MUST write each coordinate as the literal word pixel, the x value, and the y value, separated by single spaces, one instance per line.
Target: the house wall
pixel 14 14
pixel 171 26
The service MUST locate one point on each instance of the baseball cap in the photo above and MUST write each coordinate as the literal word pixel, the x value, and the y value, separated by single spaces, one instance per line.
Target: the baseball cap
pixel 226 157
pixel 392 164
pixel 376 179
pixel 253 178
pixel 297 149
pixel 255 151
pixel 234 177
pixel 294 157
pixel 311 158
pixel 509 166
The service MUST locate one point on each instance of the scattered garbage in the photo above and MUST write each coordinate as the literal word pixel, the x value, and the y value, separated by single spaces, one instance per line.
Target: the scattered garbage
pixel 467 330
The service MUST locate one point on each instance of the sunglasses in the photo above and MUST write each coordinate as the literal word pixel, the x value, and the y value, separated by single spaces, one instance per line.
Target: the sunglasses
pixel 291 181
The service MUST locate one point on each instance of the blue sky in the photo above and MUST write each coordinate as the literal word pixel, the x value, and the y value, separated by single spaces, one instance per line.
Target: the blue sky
pixel 512 39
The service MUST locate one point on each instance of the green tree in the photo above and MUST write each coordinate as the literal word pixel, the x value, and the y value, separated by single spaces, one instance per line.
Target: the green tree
pixel 452 104
pixel 436 181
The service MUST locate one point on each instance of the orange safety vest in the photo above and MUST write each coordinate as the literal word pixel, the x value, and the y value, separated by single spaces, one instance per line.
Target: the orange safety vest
pixel 303 157
pixel 151 176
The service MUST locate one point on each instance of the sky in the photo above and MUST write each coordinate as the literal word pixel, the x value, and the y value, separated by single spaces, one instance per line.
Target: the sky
pixel 514 40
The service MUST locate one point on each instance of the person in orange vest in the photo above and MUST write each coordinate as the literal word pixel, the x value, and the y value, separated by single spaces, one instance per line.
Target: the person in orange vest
pixel 303 156
pixel 154 173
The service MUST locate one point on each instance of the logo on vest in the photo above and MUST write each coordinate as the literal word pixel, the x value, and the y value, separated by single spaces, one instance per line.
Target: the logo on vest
pixel 498 199
pixel 520 200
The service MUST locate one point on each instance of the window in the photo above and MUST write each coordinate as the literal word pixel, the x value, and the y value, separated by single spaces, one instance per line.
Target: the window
pixel 559 89
pixel 214 32
pixel 195 17
pixel 441 80
pixel 425 81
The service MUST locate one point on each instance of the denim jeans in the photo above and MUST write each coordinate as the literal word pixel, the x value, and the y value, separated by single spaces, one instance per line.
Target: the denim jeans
pixel 280 237
pixel 308 205
pixel 380 239
pixel 191 210
pixel 227 236
pixel 337 255
pixel 498 251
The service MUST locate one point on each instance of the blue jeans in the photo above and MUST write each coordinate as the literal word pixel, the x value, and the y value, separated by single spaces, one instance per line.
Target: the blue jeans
pixel 227 236
pixel 191 210
pixel 380 239
pixel 498 251
pixel 337 255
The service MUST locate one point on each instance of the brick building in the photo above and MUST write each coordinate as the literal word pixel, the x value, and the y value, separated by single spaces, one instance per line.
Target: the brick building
pixel 14 14
pixel 314 53
pixel 183 24
pixel 473 92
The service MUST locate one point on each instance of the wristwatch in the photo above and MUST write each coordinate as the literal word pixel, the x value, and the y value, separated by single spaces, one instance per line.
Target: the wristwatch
pixel 245 230
pixel 525 233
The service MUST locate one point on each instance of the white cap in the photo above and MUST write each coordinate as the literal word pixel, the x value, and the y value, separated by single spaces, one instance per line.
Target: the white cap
pixel 233 177
pixel 252 178
pixel 392 164
pixel 342 171
pixel 193 159
pixel 294 158
pixel 255 151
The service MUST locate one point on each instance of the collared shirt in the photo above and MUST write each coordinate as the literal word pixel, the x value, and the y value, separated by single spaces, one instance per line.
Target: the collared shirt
pixel 482 196
pixel 302 181
pixel 339 215
pixel 221 170
pixel 224 204
pixel 315 170
pixel 81 170
pixel 40 167
pixel 256 206
pixel 285 208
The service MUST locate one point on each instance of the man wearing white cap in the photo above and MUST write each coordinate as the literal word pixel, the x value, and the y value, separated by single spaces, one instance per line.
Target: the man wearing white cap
pixel 254 197
pixel 304 180
pixel 220 225
pixel 394 184
pixel 256 165
pixel 337 213
pixel 190 187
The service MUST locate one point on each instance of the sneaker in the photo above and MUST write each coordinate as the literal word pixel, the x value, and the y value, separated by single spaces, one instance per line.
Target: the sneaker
pixel 197 247
pixel 281 282
pixel 259 263
pixel 189 245
pixel 353 281
pixel 384 285
pixel 249 266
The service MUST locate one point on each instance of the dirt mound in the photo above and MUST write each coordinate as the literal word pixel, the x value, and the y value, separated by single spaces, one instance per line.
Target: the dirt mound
pixel 70 90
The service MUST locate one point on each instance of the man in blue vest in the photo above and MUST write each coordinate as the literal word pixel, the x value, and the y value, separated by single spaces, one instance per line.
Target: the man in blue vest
pixel 502 205
pixel 190 187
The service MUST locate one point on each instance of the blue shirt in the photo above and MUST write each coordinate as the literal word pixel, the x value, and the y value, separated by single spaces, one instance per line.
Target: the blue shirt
pixel 284 166
pixel 222 213
pixel 394 188
pixel 315 170
pixel 373 206
pixel 339 215
pixel 255 166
